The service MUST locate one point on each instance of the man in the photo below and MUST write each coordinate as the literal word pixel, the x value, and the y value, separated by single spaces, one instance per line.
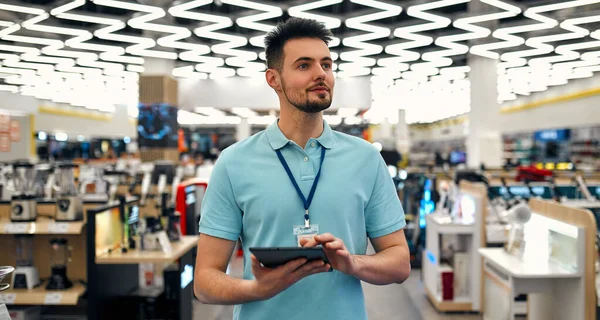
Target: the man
pixel 252 197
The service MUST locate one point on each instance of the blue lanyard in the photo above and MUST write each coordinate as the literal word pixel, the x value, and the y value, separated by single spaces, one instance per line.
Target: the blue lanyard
pixel 312 190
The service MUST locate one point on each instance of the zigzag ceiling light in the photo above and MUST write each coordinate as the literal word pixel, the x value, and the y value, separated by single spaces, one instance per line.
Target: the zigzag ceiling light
pixel 55 45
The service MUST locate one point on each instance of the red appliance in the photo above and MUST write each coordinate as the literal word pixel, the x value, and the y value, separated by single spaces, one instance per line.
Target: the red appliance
pixel 532 174
pixel 188 204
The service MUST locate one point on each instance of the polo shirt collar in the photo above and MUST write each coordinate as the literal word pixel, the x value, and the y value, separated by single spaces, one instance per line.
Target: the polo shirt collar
pixel 278 140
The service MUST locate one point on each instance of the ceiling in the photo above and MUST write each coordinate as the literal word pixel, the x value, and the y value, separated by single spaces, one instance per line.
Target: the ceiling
pixel 69 51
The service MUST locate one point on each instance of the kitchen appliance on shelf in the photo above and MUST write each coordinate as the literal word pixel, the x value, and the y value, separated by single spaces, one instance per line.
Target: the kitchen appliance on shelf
pixel 69 206
pixel 23 201
pixel 26 275
pixel 44 180
pixel 60 255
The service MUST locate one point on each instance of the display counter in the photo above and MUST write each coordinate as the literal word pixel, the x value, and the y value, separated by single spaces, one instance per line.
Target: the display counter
pixel 556 269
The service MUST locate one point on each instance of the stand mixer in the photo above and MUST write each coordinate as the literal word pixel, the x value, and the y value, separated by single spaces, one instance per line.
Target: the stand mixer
pixel 69 206
pixel 23 202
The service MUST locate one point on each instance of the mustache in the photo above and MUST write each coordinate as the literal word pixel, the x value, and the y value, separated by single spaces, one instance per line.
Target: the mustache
pixel 320 84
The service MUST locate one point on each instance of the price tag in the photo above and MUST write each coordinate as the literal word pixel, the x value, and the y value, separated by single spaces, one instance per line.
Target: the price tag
pixel 61 227
pixel 163 239
pixel 16 227
pixel 53 298
pixel 7 298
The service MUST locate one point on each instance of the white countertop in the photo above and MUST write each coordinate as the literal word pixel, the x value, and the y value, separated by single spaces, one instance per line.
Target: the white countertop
pixel 446 220
pixel 445 224
pixel 518 268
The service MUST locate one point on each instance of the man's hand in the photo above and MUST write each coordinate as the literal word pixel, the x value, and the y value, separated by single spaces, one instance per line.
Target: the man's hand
pixel 270 282
pixel 339 257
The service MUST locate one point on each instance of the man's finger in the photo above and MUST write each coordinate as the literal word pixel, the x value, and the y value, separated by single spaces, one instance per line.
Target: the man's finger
pixel 325 237
pixel 307 267
pixel 293 265
pixel 308 243
pixel 255 262
pixel 335 245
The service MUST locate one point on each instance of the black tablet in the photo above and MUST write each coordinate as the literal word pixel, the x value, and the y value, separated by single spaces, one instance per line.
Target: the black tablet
pixel 274 257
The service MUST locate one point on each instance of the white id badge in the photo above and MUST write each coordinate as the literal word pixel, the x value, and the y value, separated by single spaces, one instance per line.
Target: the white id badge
pixel 302 232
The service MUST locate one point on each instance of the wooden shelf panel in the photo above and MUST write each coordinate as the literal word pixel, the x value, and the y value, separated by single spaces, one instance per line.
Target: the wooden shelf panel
pixel 41 226
pixel 138 256
pixel 41 296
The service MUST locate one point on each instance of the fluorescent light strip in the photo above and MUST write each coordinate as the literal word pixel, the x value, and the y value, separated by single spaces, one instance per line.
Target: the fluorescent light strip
pixel 141 23
pixel 372 32
pixel 240 58
pixel 109 53
pixel 251 21
pixel 196 54
pixel 575 32
pixel 538 43
pixel 300 12
pixel 330 22
pixel 188 72
pixel 79 36
pixel 473 31
pixel 409 32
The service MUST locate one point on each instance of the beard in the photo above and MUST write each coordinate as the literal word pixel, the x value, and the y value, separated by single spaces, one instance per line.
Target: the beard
pixel 304 104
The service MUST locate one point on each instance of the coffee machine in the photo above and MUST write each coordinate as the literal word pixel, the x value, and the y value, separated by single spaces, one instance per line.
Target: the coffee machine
pixel 69 206
pixel 26 275
pixel 23 201
pixel 60 255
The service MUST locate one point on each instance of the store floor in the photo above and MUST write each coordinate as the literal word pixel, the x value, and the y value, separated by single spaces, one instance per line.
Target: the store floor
pixel 400 301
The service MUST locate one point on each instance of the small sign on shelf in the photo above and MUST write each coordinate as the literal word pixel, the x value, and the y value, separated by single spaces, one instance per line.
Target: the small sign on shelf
pixel 58 227
pixel 53 298
pixel 7 298
pixel 16 228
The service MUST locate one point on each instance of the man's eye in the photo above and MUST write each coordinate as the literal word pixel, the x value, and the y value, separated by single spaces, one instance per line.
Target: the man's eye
pixel 303 66
pixel 326 66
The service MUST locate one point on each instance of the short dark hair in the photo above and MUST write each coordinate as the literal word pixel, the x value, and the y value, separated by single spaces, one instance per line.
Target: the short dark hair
pixel 293 28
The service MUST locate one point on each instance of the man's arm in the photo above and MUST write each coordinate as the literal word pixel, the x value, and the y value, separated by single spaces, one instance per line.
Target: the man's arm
pixel 390 263
pixel 212 285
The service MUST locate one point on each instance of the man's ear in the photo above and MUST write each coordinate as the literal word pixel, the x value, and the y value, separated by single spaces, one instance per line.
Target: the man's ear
pixel 273 79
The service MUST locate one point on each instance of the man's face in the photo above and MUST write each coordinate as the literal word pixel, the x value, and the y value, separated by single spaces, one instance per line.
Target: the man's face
pixel 306 76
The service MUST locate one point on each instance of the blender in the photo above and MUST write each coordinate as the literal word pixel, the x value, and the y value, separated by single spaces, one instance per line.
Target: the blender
pixel 60 255
pixel 25 276
pixel 69 206
pixel 23 203
pixel 44 180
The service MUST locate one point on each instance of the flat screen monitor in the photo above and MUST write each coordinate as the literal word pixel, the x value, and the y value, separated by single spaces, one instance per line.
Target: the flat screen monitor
pixel 458 157
pixel 157 125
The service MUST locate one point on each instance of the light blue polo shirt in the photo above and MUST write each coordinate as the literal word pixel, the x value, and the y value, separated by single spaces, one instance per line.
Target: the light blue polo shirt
pixel 250 197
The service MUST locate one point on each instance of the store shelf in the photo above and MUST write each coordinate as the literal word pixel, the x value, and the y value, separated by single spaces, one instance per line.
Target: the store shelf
pixel 41 296
pixel 41 226
pixel 519 268
pixel 444 226
pixel 138 256
pixel 458 304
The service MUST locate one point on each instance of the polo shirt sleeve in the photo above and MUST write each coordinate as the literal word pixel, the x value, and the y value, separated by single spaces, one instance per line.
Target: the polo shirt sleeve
pixel 383 213
pixel 221 217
